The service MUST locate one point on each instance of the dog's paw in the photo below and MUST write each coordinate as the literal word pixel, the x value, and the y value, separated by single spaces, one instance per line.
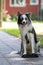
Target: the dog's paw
pixel 24 56
pixel 35 55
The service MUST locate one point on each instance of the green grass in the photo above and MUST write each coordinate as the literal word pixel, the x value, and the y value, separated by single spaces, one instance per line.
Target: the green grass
pixel 41 42
pixel 41 39
pixel 14 32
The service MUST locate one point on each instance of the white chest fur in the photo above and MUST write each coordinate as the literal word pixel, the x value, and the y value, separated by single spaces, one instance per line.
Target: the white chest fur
pixel 25 29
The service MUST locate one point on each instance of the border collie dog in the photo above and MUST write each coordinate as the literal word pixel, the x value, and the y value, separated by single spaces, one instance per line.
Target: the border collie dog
pixel 28 34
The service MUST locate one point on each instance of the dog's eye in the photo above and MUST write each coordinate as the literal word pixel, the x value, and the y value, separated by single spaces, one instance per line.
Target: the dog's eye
pixel 25 18
pixel 22 18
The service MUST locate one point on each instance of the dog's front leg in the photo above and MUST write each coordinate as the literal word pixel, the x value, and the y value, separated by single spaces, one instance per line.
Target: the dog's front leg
pixel 32 43
pixel 24 45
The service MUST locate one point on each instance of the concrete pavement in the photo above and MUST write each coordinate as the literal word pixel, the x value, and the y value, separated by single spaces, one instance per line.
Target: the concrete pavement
pixel 9 46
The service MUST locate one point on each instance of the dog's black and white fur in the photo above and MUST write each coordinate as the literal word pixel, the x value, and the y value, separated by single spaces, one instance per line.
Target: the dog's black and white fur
pixel 28 34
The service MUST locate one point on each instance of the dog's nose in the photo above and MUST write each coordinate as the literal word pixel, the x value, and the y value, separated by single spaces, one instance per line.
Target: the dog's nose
pixel 23 22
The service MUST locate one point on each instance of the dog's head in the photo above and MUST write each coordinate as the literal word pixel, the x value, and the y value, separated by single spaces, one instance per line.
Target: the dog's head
pixel 24 19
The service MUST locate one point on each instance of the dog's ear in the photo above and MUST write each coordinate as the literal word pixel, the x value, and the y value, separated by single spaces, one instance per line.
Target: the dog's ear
pixel 28 14
pixel 18 14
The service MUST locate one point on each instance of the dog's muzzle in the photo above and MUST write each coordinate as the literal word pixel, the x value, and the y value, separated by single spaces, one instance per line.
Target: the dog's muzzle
pixel 24 23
